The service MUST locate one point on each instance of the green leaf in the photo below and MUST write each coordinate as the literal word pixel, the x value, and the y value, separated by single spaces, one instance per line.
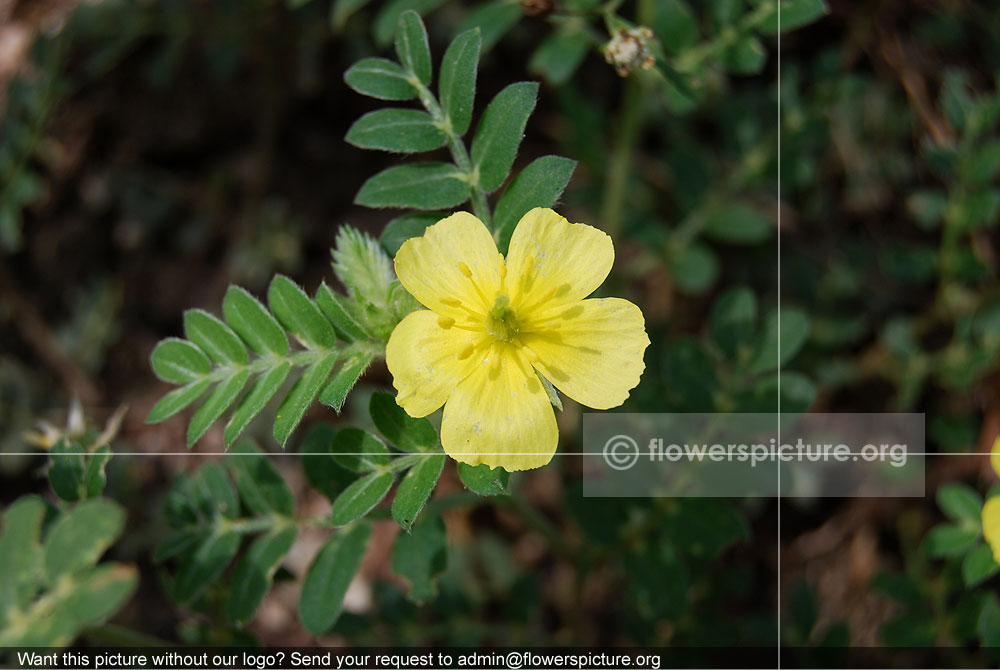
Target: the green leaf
pixel 341 11
pixel 261 487
pixel 398 427
pixel 499 133
pixel 332 307
pixel 694 268
pixel 363 266
pixel 550 391
pixel 401 302
pixel 978 210
pixel 329 576
pixel 960 502
pixel 20 550
pixel 98 594
pixel 910 629
pixel 405 131
pixel 675 25
pixel 493 19
pixel 175 543
pixel 301 397
pixel 254 324
pixel 421 555
pixel 323 473
pixel 415 489
pixel 360 498
pixel 177 400
pixel 483 480
pixel 734 314
pixel 214 492
pixel 949 540
pixel 404 227
pixel 902 588
pixel 344 380
pixel 983 164
pixel 979 565
pixel 179 362
pixel 560 54
pixel 379 78
pixel 793 331
pixel 298 314
pixel 747 56
pixel 387 20
pixel 419 185
pixel 61 614
pixel 66 470
pixel 457 87
pixel 691 371
pixel 737 224
pixel 794 14
pixel 218 401
pixel 797 394
pixel 96 479
pixel 79 537
pixel 205 565
pixel 411 46
pixel 358 450
pixel 989 622
pixel 705 527
pixel 255 400
pixel 538 185
pixel 214 338
pixel 927 207
pixel 253 574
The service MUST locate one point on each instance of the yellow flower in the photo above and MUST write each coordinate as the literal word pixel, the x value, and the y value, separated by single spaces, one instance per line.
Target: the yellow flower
pixel 995 455
pixel 991 525
pixel 991 510
pixel 493 325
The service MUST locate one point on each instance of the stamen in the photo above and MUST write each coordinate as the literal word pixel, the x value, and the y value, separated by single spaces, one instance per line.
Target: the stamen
pixel 464 269
pixel 530 354
pixel 446 322
pixel 466 351
pixel 526 278
pixel 451 302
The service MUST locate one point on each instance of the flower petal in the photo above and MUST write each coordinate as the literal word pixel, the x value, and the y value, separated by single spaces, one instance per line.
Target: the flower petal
pixel 991 525
pixel 454 263
pixel 995 455
pixel 591 350
pixel 428 361
pixel 500 415
pixel 553 259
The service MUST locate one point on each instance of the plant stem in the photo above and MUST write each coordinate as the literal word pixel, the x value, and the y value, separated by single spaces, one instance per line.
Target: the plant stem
pixel 693 58
pixel 620 168
pixel 459 154
pixel 297 359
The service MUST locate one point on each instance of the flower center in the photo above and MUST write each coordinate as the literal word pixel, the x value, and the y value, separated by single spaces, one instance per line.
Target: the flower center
pixel 501 322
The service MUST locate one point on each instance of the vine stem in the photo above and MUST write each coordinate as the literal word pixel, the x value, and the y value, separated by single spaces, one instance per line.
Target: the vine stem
pixel 477 196
pixel 616 184
pixel 297 359
pixel 693 58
